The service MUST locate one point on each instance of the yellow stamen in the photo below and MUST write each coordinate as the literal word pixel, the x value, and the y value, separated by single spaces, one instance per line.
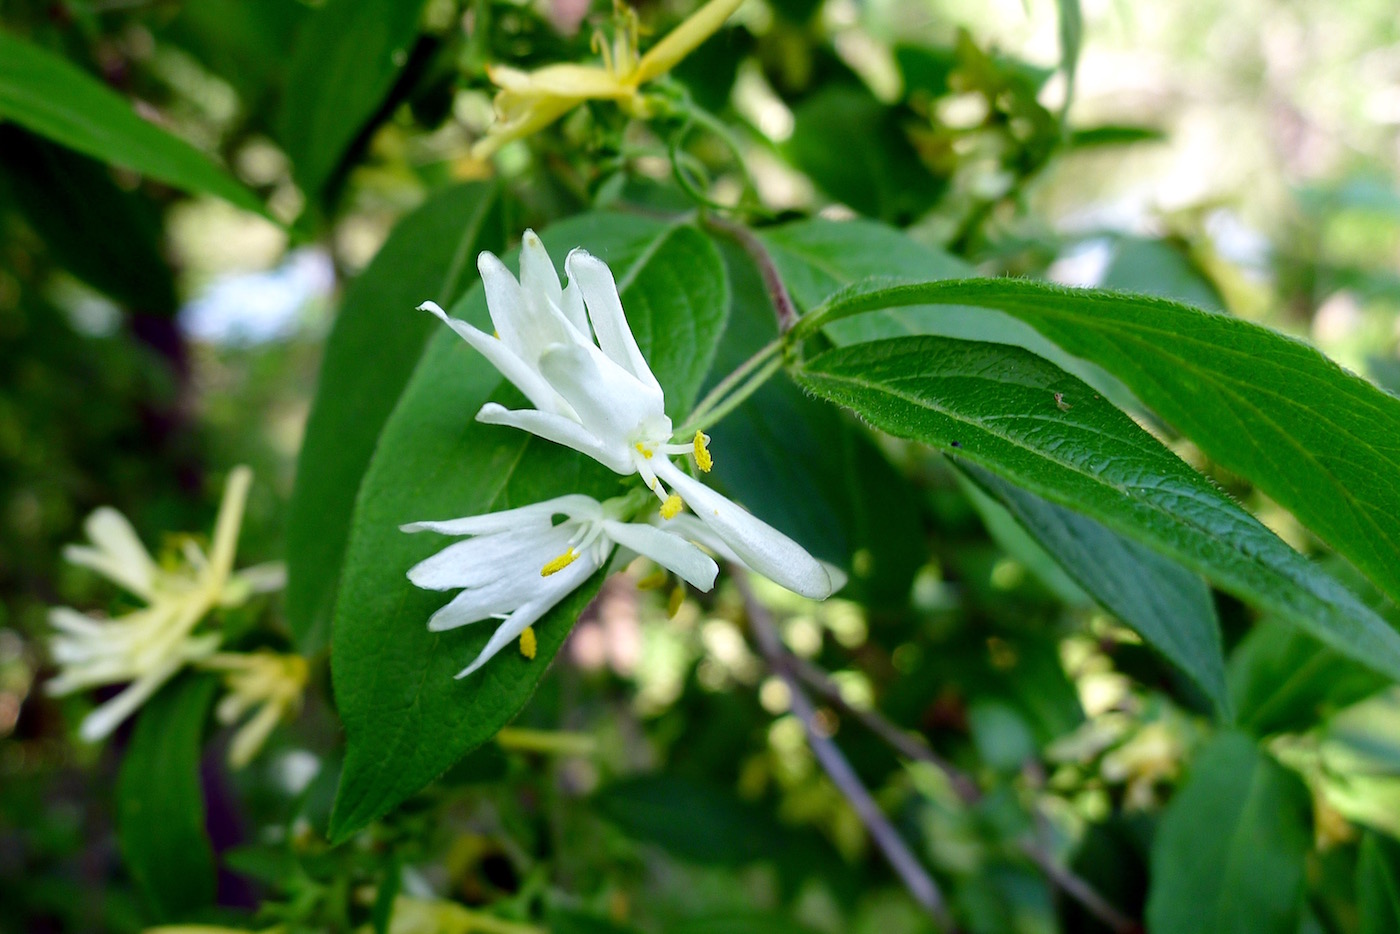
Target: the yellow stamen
pixel 672 507
pixel 673 606
pixel 559 563
pixel 643 450
pixel 528 643
pixel 703 460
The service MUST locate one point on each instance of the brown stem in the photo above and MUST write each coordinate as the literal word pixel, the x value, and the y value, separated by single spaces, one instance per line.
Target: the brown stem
pixel 783 308
pixel 788 666
pixel 916 879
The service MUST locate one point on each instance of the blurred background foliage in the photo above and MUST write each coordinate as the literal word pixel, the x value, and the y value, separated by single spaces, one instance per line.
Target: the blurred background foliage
pixel 1239 156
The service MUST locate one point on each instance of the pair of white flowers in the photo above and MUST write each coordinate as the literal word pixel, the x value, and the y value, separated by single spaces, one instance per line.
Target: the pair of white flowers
pixel 146 647
pixel 571 352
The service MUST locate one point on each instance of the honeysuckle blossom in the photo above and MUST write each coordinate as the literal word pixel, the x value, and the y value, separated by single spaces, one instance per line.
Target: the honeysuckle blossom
pixel 267 681
pixel 146 647
pixel 601 398
pixel 529 101
pixel 518 563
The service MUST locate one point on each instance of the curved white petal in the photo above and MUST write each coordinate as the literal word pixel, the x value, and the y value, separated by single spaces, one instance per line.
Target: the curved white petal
pixel 227 524
pixel 574 505
pixel 758 545
pixel 125 560
pixel 537 275
pixel 608 400
pixel 479 561
pixel 560 430
pixel 506 361
pixel 66 619
pixel 556 588
pixel 505 301
pixel 672 552
pixel 571 304
pixel 595 281
pixel 692 529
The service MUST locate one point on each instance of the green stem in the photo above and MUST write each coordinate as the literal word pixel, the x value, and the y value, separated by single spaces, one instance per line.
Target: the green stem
pixel 731 403
pixel 714 396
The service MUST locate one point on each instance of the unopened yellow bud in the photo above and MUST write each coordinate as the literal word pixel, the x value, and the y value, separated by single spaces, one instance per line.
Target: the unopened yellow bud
pixel 559 563
pixel 703 460
pixel 528 644
pixel 672 507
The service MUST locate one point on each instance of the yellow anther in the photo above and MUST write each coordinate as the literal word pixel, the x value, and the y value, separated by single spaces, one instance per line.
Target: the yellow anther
pixel 528 643
pixel 672 507
pixel 643 450
pixel 703 460
pixel 559 563
pixel 673 605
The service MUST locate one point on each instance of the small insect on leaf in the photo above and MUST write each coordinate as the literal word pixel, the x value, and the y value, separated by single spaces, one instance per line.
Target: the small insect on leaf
pixel 1060 402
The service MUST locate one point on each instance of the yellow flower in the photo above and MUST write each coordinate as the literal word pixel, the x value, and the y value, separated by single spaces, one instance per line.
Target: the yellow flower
pixel 529 101
pixel 146 647
pixel 266 680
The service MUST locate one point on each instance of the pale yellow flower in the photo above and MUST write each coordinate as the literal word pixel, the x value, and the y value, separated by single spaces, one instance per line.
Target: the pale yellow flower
pixel 146 647
pixel 529 101
pixel 270 682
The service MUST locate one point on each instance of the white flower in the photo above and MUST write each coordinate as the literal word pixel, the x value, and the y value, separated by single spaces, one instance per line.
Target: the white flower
pixel 572 353
pixel 147 646
pixel 270 682
pixel 519 563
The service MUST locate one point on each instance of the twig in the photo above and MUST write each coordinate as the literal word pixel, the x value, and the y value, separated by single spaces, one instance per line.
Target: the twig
pixel 907 744
pixel 916 879
pixel 783 308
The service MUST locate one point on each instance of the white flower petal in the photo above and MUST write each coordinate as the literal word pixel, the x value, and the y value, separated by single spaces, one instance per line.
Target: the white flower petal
pixel 480 561
pixel 560 430
pixel 595 281
pixel 758 545
pixel 574 505
pixel 103 720
pixel 670 551
pixel 125 560
pixel 571 305
pixel 504 300
pixel 506 361
pixel 537 275
pixel 692 529
pixel 227 524
pixel 66 619
pixel 558 587
pixel 610 403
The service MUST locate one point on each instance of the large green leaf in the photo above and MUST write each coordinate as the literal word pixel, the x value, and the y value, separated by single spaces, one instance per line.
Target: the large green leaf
pixel 345 61
pixel 1021 417
pixel 1228 855
pixel 406 717
pixel 104 235
pixel 1166 604
pixel 160 803
pixel 377 340
pixel 1378 884
pixel 1322 442
pixel 818 258
pixel 1283 680
pixel 52 97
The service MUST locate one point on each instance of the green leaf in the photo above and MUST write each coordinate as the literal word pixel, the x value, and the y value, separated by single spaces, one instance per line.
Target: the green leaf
pixel 1285 681
pixel 882 176
pixel 347 56
pixel 1378 884
pixel 160 802
pixel 1170 607
pixel 370 354
pixel 406 717
pixel 1022 418
pixel 1228 855
pixel 818 258
pixel 692 821
pixel 1322 442
pixel 108 237
pixel 52 97
pixel 1163 268
pixel 1071 38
